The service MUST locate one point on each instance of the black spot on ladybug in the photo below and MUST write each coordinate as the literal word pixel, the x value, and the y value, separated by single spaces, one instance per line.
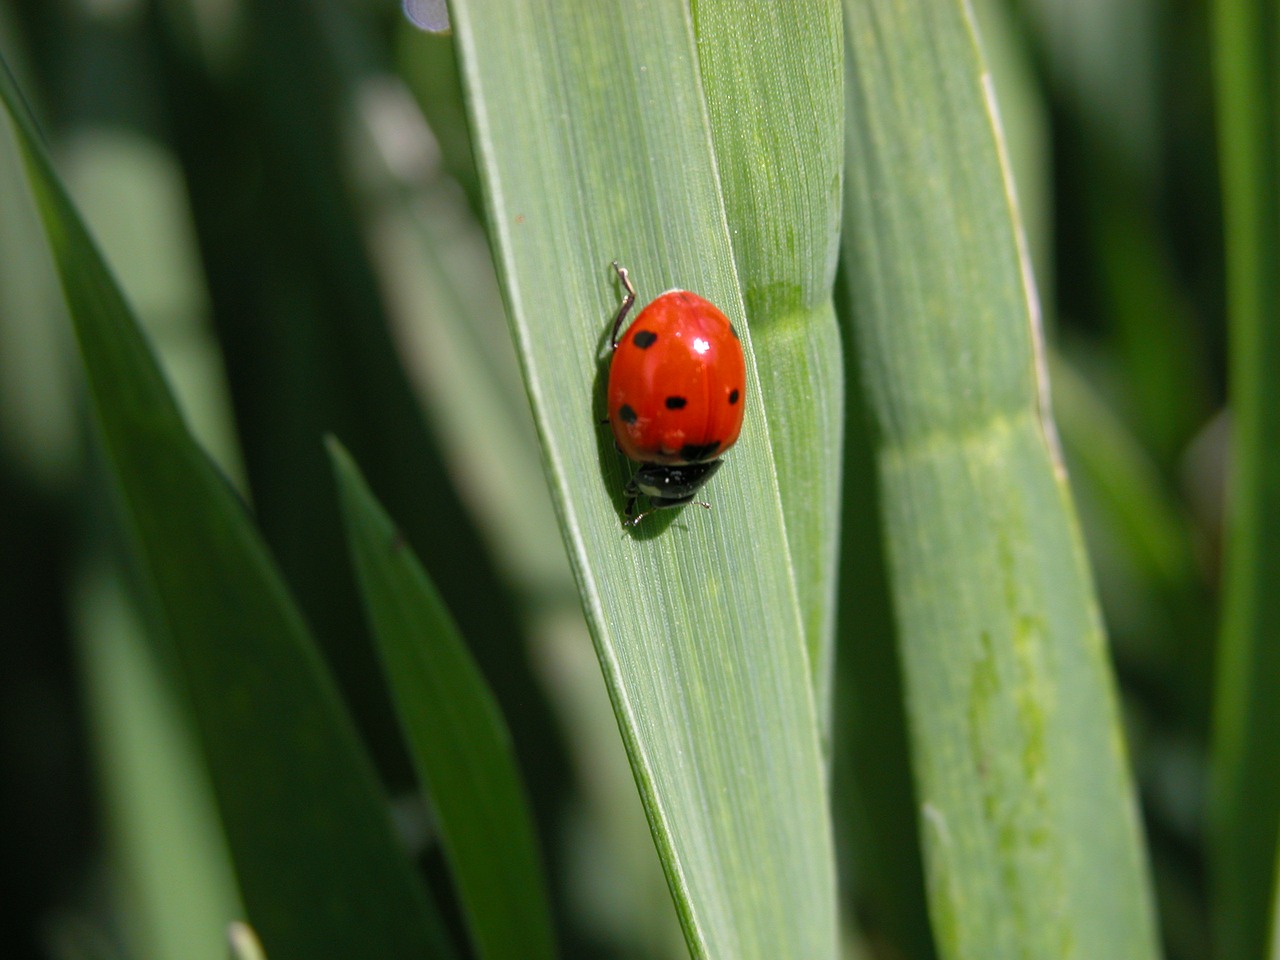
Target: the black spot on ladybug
pixel 694 452
pixel 676 403
pixel 733 397
pixel 734 331
pixel 644 339
pixel 626 414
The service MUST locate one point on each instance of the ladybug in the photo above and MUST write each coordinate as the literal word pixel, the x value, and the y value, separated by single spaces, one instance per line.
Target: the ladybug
pixel 677 389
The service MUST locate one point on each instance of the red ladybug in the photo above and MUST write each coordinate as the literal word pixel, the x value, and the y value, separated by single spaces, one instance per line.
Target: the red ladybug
pixel 677 386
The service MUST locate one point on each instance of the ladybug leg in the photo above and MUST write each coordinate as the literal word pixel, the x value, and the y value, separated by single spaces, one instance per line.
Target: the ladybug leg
pixel 632 492
pixel 635 521
pixel 627 301
pixel 659 505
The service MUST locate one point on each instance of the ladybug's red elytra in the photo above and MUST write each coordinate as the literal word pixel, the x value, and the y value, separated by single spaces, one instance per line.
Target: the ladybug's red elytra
pixel 677 390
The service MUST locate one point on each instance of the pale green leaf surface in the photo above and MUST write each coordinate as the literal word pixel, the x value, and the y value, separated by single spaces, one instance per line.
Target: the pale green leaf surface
pixel 592 137
pixel 779 162
pixel 320 870
pixel 461 746
pixel 1028 818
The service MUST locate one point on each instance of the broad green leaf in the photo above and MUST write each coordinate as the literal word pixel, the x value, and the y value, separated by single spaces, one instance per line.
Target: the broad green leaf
pixel 1028 819
pixel 779 165
pixel 1246 801
pixel 460 743
pixel 320 871
pixel 591 132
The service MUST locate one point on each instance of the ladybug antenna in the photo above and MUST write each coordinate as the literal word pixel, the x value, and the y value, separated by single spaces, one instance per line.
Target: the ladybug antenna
pixel 627 301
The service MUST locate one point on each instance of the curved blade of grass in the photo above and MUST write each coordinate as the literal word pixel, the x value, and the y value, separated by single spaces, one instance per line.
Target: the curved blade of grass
pixel 320 870
pixel 461 745
pixel 1246 778
pixel 780 172
pixel 590 128
pixel 1028 816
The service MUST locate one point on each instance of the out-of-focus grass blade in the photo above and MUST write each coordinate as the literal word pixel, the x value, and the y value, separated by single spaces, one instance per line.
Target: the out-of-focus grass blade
pixel 37 413
pixel 155 790
pixel 129 190
pixel 591 132
pixel 1246 801
pixel 1028 817
pixel 1094 49
pixel 1138 506
pixel 244 943
pixel 779 165
pixel 320 870
pixel 1141 542
pixel 460 742
pixel 429 65
pixel 1164 358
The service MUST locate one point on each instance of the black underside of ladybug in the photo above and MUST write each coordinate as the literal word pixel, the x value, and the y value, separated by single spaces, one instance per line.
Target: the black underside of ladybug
pixel 668 485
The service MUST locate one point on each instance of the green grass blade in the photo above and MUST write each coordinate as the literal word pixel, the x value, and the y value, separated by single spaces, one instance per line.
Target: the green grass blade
pixel 1246 802
pixel 780 169
pixel 1028 818
pixel 590 128
pixel 320 870
pixel 460 743
pixel 780 172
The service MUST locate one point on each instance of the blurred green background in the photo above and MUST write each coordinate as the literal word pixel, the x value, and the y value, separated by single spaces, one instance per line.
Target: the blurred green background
pixel 286 192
